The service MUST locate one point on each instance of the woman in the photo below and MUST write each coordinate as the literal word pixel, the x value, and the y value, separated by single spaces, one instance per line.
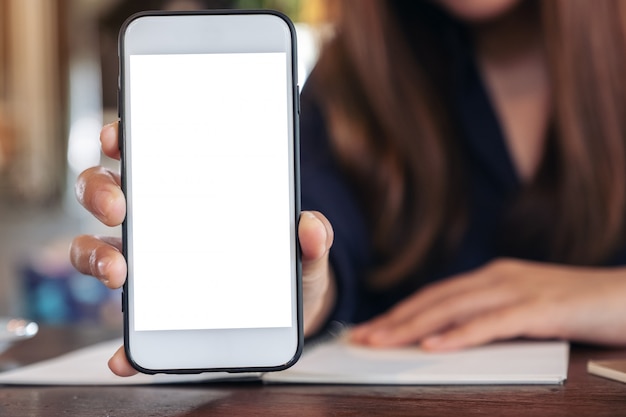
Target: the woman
pixel 471 158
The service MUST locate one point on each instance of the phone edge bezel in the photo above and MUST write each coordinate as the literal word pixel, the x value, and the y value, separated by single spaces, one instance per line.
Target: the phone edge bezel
pixel 297 185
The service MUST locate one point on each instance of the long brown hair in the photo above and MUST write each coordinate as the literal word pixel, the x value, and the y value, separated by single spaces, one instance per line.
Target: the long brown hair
pixel 385 99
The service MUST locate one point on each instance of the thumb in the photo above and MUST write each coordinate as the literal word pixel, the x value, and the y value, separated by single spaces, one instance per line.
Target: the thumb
pixel 316 238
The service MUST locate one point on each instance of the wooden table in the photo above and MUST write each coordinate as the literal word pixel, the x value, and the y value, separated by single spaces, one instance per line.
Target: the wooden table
pixel 582 394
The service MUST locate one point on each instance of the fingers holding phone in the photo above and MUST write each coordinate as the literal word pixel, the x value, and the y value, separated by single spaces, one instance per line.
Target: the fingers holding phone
pixel 99 191
pixel 109 140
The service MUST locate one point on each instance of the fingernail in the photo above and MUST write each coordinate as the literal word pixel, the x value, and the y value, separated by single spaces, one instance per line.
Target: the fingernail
pixel 311 216
pixel 323 238
pixel 109 127
pixel 103 267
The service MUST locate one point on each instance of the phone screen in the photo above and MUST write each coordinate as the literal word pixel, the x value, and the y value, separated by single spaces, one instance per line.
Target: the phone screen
pixel 210 191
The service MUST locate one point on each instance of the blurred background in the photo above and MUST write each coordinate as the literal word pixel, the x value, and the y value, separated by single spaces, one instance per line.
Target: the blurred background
pixel 58 76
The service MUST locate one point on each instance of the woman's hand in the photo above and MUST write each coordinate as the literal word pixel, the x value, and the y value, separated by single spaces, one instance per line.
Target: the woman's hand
pixel 99 191
pixel 507 299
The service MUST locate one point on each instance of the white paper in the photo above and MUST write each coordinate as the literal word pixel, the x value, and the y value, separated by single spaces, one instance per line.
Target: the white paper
pixel 88 366
pixel 515 362
pixel 334 362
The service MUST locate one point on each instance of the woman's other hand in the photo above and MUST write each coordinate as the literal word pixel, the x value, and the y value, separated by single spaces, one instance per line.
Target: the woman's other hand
pixel 506 299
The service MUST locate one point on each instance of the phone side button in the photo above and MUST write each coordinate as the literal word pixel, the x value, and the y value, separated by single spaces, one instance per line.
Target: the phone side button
pixel 120 135
pixel 122 294
pixel 297 94
pixel 119 117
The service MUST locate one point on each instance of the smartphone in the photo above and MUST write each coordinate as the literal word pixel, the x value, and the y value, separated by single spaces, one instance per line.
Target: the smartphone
pixel 209 149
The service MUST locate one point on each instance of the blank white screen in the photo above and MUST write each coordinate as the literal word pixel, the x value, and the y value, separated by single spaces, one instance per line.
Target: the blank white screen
pixel 209 181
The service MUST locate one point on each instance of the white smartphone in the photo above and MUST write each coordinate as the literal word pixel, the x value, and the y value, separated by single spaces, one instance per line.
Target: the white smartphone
pixel 209 143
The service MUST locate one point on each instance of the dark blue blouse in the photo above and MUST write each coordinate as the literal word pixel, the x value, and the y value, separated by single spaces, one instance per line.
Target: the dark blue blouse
pixel 492 182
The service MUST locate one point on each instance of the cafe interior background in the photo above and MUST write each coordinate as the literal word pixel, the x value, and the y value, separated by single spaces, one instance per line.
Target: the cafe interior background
pixel 58 75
